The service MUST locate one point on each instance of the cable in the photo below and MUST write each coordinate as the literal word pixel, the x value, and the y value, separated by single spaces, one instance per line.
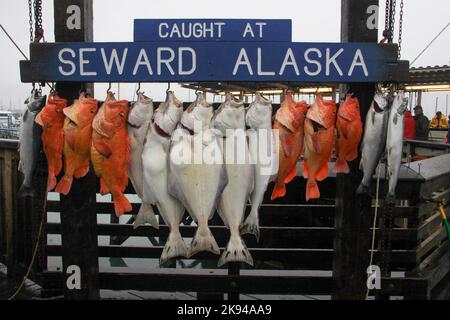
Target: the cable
pixel 374 224
pixel 12 40
pixel 429 44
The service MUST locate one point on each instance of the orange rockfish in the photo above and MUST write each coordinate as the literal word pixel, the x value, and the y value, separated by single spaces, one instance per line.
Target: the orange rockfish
pixel 77 140
pixel 319 138
pixel 110 151
pixel 349 132
pixel 51 118
pixel 289 120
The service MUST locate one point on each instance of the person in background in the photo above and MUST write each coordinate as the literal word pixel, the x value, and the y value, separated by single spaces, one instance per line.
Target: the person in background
pixel 448 135
pixel 439 121
pixel 422 124
pixel 409 125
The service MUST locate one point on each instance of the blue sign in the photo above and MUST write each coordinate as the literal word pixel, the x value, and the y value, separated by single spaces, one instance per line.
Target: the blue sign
pixel 147 30
pixel 210 61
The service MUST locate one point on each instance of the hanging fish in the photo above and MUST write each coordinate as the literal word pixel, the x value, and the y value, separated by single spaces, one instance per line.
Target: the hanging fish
pixel 110 151
pixel 51 118
pixel 197 183
pixel 374 140
pixel 30 142
pixel 289 120
pixel 138 123
pixel 229 119
pixel 349 132
pixel 263 149
pixel 394 143
pixel 319 139
pixel 155 183
pixel 77 141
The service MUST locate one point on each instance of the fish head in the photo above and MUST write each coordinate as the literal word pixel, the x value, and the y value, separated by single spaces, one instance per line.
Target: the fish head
pixel 83 111
pixel 349 109
pixel 198 115
pixel 230 115
pixel 116 112
pixel 259 113
pixel 35 101
pixel 380 102
pixel 141 112
pixel 322 112
pixel 168 113
pixel 400 103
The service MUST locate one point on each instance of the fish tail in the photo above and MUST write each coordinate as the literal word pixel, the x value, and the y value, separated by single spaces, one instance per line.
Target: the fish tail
pixel 341 166
pixel 236 251
pixel 64 185
pixel 51 181
pixel 121 204
pixel 25 191
pixel 203 241
pixel 279 190
pixel 146 215
pixel 312 190
pixel 174 247
pixel 251 225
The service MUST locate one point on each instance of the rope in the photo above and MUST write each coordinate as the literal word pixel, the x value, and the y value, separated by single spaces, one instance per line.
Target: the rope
pixel 429 44
pixel 374 224
pixel 36 247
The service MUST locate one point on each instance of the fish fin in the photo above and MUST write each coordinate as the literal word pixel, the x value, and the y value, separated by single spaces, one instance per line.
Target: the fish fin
pixel 395 120
pixel 146 215
pixel 20 166
pixel 251 225
pixel 291 175
pixel 103 148
pixel 312 190
pixel 104 189
pixel 362 189
pixel 51 182
pixel 82 171
pixel 121 205
pixel 70 139
pixel 38 120
pixel 316 142
pixel 344 133
pixel 25 191
pixel 305 170
pixel 279 190
pixel 64 185
pixel 203 241
pixel 174 247
pixel 323 172
pixel 341 166
pixel 236 251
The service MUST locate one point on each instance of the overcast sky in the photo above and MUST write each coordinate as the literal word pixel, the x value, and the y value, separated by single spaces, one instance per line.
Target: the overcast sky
pixel 313 21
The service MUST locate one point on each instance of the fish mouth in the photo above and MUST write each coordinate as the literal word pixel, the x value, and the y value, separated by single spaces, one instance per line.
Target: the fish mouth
pixel 70 114
pixel 317 126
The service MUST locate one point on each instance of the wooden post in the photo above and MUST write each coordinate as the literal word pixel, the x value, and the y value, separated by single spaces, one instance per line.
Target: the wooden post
pixel 352 216
pixel 74 22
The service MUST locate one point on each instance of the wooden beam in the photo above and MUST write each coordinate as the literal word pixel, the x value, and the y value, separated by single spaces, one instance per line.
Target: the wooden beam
pixel 78 208
pixel 353 218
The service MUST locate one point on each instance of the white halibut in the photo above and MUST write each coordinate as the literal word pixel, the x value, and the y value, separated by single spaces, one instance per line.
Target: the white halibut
pixel 230 121
pixel 155 163
pixel 264 154
pixel 197 175
pixel 139 120
pixel 394 142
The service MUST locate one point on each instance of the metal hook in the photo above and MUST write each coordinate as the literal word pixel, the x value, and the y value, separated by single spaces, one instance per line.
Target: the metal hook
pixel 168 87
pixel 138 88
pixel 109 88
pixel 198 88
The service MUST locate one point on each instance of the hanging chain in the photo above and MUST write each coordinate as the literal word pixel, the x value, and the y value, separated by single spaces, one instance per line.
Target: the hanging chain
pixel 400 29
pixel 386 21
pixel 38 31
pixel 30 14
pixel 392 26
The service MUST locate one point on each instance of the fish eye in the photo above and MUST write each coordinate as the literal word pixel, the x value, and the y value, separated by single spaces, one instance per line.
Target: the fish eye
pixel 121 114
pixel 92 111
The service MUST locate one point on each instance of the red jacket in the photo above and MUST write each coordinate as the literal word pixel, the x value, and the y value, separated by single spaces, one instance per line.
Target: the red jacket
pixel 408 120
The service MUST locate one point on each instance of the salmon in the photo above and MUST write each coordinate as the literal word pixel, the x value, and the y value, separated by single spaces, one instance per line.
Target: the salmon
pixel 319 139
pixel 51 118
pixel 349 132
pixel 77 141
pixel 289 120
pixel 110 151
